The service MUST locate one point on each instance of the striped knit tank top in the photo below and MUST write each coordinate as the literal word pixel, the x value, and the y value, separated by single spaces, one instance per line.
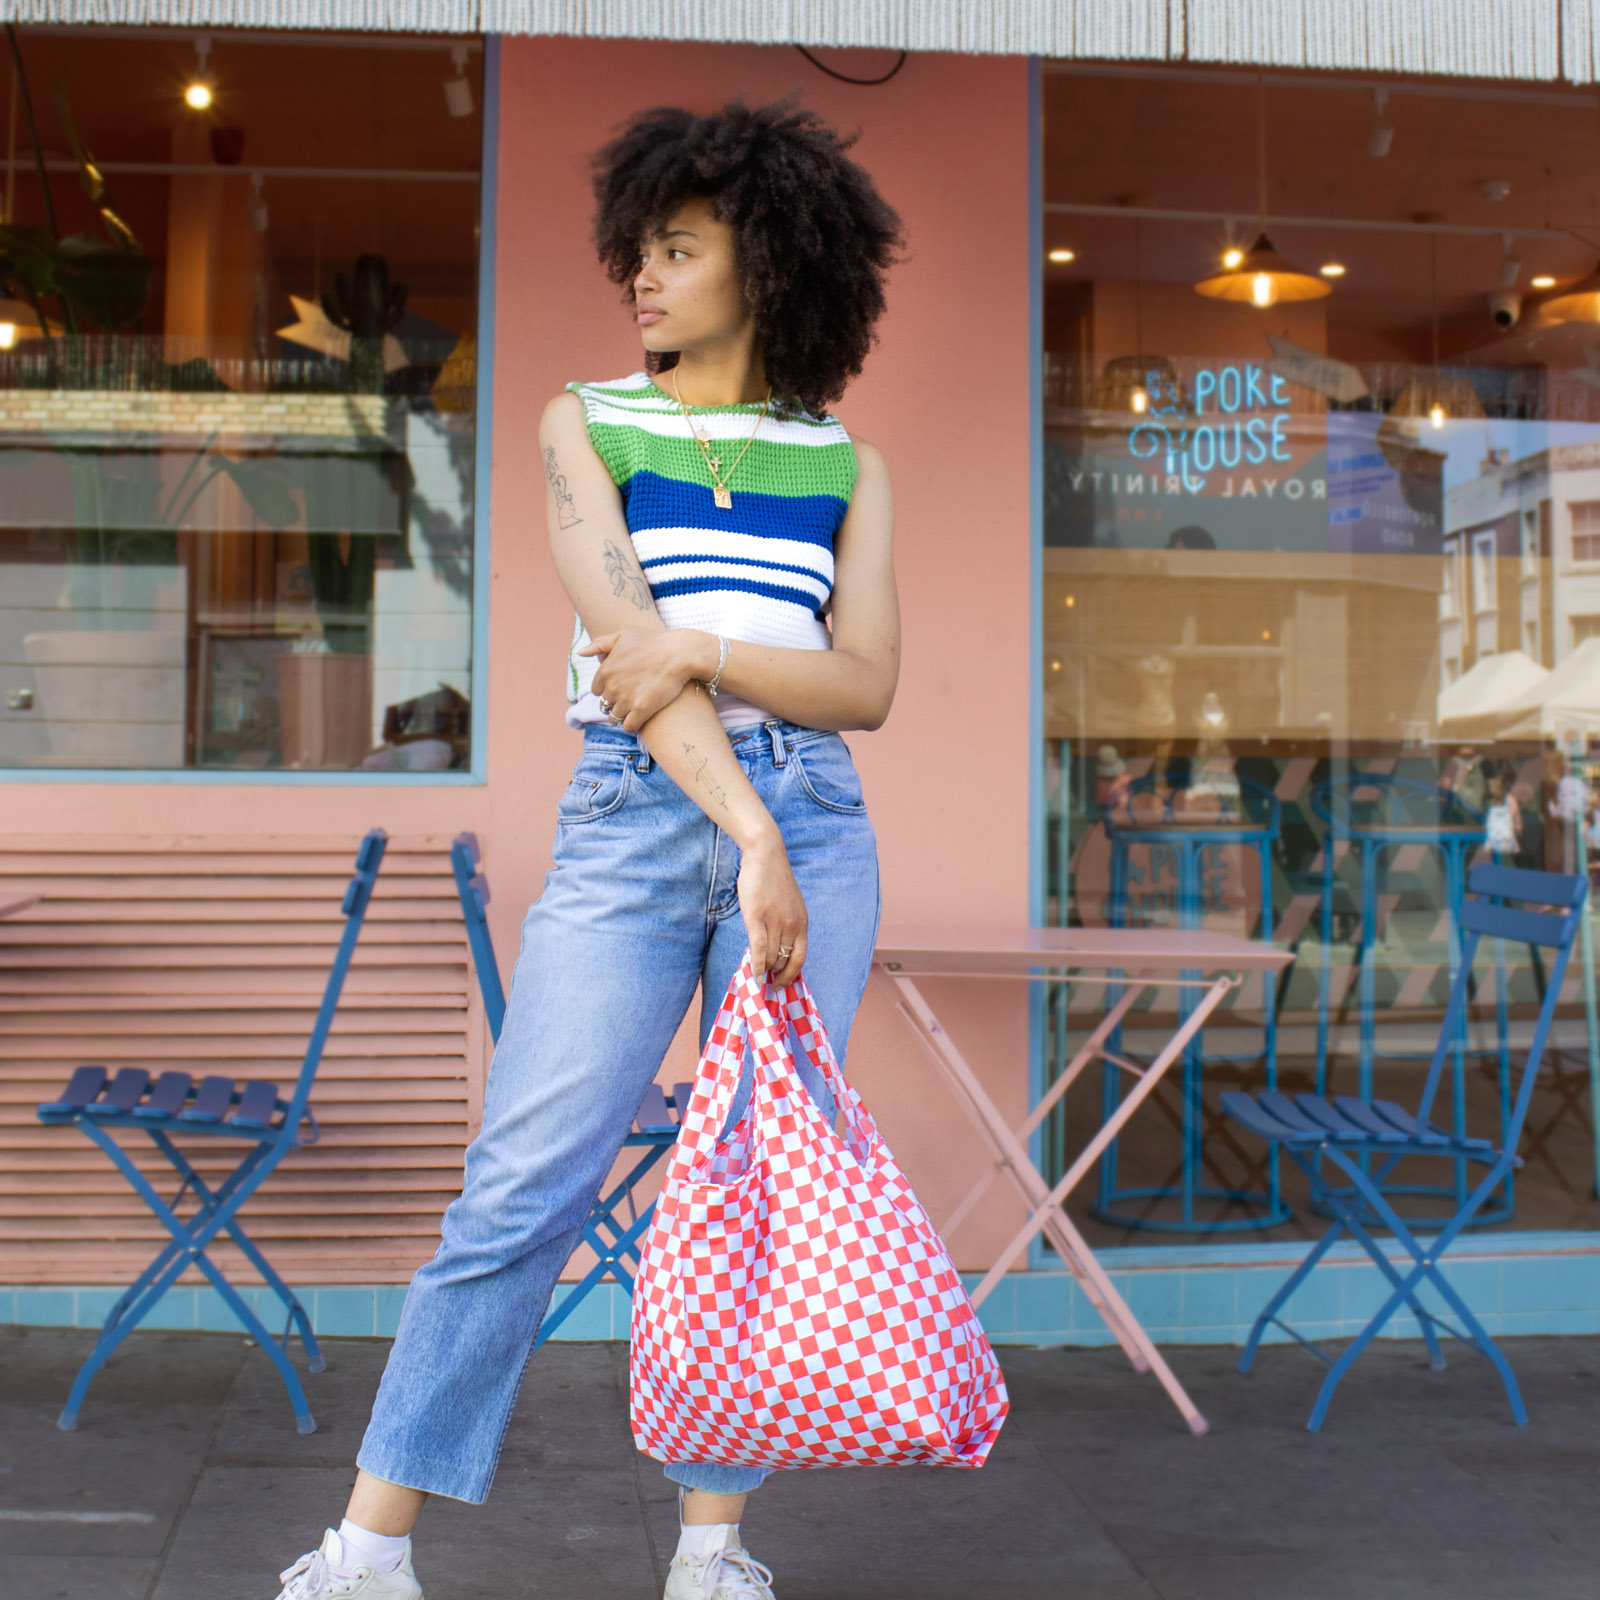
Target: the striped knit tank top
pixel 761 572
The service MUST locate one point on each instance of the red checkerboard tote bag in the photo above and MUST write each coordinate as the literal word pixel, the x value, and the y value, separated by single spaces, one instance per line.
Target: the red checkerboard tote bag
pixel 794 1305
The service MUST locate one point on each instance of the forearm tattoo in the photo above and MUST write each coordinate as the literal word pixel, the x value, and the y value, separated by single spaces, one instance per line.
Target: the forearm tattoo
pixel 626 578
pixel 701 768
pixel 566 513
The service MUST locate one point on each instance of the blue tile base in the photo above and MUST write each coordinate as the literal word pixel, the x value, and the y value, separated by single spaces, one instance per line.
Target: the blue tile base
pixel 1530 1283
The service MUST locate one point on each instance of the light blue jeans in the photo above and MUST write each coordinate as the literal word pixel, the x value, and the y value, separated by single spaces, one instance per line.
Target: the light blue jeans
pixel 639 908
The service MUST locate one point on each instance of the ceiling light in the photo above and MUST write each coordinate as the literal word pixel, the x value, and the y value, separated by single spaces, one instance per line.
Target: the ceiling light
pixel 1332 269
pixel 202 89
pixel 457 91
pixel 1261 277
pixel 1436 414
pixel 1232 257
pixel 1543 281
pixel 1132 383
pixel 20 318
pixel 1063 255
pixel 1382 135
pixel 1578 302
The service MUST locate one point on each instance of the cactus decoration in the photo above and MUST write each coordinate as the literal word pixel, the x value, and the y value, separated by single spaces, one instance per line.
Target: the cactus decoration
pixel 366 305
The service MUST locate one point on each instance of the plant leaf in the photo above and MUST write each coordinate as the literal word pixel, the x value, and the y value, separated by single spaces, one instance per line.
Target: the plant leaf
pixel 104 284
pixel 28 253
pixel 93 179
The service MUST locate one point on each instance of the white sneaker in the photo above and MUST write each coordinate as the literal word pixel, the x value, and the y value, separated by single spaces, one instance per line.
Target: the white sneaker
pixel 727 1572
pixel 318 1575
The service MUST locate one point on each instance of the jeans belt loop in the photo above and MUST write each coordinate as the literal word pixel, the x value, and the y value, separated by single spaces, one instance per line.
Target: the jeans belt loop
pixel 780 751
pixel 641 761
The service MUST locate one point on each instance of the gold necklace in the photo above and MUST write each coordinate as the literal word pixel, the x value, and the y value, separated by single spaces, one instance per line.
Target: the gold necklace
pixel 721 494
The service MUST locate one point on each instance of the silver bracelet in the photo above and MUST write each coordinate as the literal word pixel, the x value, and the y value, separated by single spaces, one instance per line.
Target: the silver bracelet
pixel 722 661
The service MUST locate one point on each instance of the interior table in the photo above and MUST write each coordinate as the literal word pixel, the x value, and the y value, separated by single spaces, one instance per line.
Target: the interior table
pixel 1129 961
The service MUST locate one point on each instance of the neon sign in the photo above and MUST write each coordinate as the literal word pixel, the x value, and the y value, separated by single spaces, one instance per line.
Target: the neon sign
pixel 1249 408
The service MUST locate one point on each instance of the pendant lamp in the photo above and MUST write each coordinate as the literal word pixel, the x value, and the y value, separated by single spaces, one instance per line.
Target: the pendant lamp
pixel 19 322
pixel 1140 383
pixel 1263 277
pixel 1435 399
pixel 1579 302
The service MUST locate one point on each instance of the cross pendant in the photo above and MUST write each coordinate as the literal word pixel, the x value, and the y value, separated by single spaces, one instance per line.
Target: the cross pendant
pixel 716 463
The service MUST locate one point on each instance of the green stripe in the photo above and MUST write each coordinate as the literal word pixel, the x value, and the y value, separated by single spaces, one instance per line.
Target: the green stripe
pixel 789 470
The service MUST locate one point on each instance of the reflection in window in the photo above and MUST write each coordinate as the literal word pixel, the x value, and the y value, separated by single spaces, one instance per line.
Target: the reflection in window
pixel 1342 535
pixel 237 404
pixel 1585 518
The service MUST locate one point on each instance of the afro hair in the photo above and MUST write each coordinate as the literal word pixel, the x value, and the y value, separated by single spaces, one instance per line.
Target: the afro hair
pixel 813 237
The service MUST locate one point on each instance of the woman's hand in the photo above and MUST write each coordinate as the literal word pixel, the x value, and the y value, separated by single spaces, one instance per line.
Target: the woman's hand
pixel 643 672
pixel 774 910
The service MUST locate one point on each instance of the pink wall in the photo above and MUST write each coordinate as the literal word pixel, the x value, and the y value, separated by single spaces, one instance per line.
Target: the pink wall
pixel 945 398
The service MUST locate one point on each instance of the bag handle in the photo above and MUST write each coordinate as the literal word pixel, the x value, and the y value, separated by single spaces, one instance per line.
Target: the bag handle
pixel 753 1013
pixel 805 1021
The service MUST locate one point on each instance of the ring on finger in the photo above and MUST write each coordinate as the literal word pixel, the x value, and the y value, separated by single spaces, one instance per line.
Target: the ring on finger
pixel 785 950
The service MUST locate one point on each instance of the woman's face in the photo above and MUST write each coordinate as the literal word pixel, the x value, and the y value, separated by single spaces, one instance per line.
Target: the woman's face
pixel 686 292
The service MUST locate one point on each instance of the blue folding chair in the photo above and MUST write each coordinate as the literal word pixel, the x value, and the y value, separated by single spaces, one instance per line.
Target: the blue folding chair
pixel 655 1127
pixel 255 1114
pixel 1365 1138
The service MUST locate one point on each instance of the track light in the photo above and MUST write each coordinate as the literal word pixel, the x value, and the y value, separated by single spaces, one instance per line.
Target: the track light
pixel 202 89
pixel 457 91
pixel 1382 135
pixel 1510 264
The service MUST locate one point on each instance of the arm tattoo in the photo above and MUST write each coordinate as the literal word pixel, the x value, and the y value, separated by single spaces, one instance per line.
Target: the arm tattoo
pixel 702 773
pixel 566 515
pixel 626 578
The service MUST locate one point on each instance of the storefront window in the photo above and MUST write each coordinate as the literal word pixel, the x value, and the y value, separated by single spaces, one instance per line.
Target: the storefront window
pixel 238 320
pixel 1322 556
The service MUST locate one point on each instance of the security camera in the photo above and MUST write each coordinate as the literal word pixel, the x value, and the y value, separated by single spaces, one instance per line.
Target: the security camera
pixel 1505 309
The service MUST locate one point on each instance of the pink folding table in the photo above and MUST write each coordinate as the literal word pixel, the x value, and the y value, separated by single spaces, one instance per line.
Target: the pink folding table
pixel 1129 961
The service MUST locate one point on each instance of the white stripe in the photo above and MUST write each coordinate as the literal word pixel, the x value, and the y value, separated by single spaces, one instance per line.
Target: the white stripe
pixel 76 1516
pixel 711 544
pixel 719 425
pixel 751 617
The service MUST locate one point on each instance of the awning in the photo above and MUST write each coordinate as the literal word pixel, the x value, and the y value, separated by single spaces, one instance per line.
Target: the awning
pixel 1533 39
pixel 1567 701
pixel 1491 685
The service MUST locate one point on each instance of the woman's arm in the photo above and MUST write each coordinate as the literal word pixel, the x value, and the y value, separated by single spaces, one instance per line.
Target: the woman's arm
pixel 850 686
pixel 595 561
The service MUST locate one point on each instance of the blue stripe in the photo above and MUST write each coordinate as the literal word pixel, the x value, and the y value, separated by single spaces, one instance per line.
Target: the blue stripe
pixel 669 587
pixel 738 561
pixel 652 501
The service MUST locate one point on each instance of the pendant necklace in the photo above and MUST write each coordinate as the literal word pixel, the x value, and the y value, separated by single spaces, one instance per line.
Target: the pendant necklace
pixel 721 494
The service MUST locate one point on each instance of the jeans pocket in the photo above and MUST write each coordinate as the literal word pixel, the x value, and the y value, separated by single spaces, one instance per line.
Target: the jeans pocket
pixel 597 789
pixel 828 775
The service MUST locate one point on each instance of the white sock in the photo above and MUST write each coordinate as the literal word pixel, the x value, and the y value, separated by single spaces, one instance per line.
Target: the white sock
pixel 697 1538
pixel 364 1548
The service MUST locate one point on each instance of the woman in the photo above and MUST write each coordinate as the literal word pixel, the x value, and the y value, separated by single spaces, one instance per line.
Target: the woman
pixel 726 545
